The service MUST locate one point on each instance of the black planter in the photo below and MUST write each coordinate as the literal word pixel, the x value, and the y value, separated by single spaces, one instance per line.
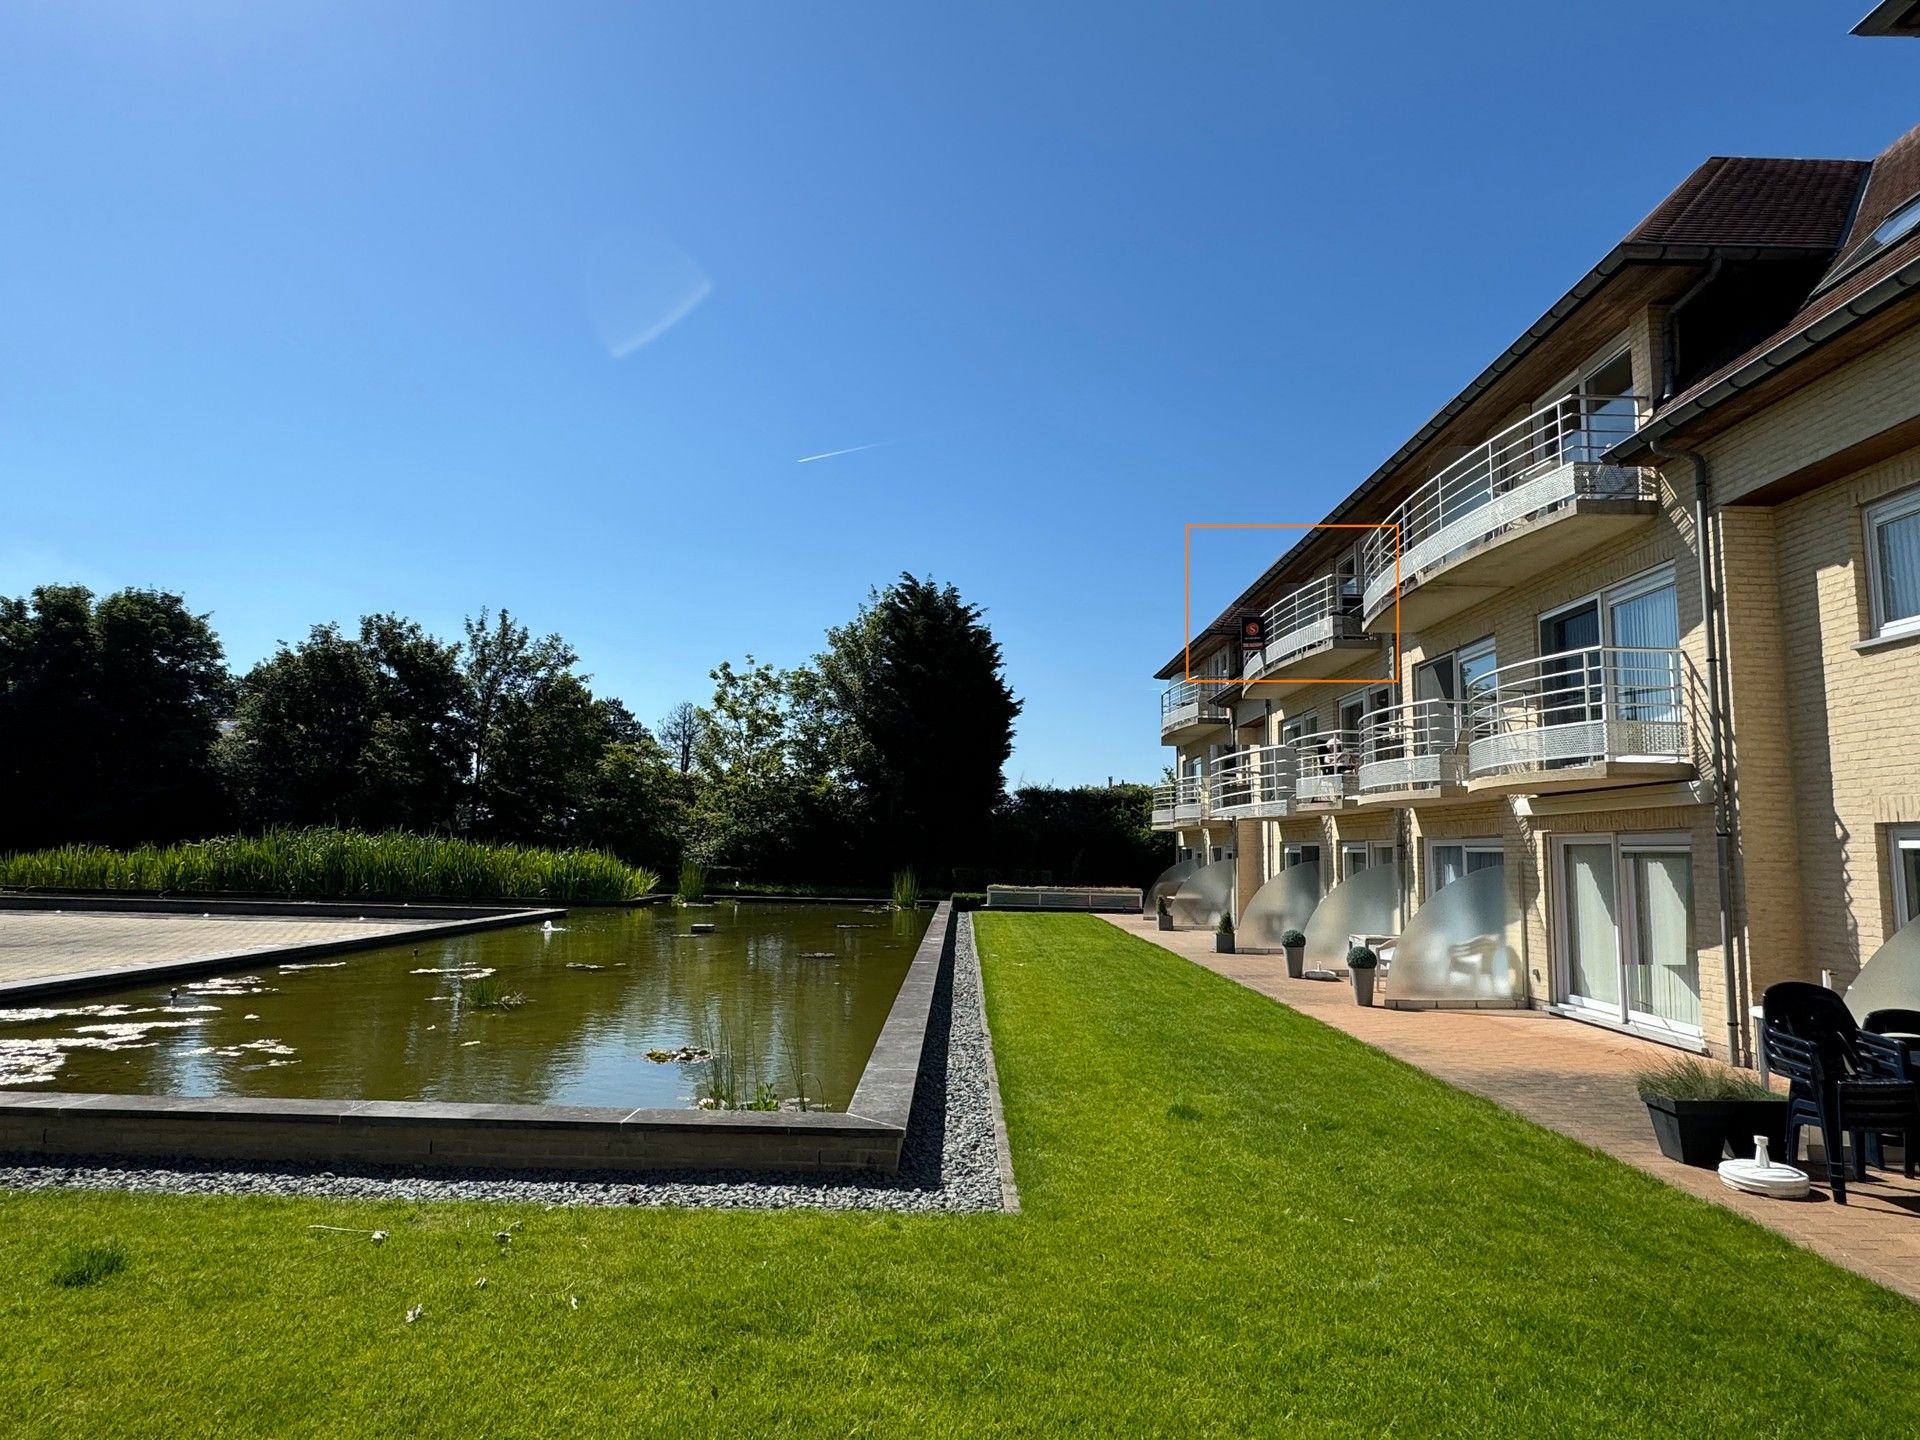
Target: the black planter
pixel 1694 1132
pixel 1166 922
pixel 1748 1118
pixel 1223 942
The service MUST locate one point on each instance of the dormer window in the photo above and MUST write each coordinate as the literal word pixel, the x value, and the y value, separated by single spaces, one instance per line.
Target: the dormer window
pixel 1897 226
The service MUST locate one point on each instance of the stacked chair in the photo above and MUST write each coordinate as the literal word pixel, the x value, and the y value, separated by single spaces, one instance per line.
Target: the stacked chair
pixel 1849 1083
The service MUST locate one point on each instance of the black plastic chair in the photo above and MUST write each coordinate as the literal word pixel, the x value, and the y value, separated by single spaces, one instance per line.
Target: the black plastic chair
pixel 1892 1022
pixel 1846 1083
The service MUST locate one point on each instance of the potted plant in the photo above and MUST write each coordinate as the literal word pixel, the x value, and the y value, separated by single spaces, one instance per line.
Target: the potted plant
pixel 1361 963
pixel 1698 1109
pixel 1165 912
pixel 1295 944
pixel 1223 934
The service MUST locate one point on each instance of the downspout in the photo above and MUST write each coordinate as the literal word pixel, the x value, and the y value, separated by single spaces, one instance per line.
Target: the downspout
pixel 1710 620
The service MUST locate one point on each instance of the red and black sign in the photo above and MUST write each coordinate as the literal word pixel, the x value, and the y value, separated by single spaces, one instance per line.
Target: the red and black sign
pixel 1253 633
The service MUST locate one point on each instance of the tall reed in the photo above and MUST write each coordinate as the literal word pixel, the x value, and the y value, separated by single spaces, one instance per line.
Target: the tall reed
pixel 906 889
pixel 324 864
pixel 693 882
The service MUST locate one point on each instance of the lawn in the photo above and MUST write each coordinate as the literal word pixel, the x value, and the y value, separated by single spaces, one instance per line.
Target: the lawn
pixel 1236 1222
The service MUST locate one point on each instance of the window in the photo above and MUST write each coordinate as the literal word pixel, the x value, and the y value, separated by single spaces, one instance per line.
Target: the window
pixel 1451 860
pixel 1893 563
pixel 1900 224
pixel 1903 855
pixel 1293 855
pixel 1353 859
pixel 1299 729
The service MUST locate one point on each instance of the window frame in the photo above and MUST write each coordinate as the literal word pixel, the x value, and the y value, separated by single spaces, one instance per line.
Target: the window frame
pixel 1906 906
pixel 1888 508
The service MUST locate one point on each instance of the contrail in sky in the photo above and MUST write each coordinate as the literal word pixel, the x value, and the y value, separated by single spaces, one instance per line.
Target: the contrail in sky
pixel 850 450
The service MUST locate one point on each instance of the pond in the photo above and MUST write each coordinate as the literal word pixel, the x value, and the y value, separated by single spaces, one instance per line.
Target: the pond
pixel 618 1007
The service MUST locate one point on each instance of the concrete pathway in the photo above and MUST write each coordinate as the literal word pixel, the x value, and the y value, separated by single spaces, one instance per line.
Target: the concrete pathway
pixel 39 946
pixel 1574 1078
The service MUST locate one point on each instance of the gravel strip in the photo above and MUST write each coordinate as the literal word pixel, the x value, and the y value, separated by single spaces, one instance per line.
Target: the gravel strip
pixel 949 1162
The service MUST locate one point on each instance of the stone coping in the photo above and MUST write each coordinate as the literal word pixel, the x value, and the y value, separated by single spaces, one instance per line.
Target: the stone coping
pixel 868 1136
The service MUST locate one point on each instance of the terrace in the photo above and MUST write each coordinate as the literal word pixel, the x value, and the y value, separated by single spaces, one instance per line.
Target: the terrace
pixel 1312 632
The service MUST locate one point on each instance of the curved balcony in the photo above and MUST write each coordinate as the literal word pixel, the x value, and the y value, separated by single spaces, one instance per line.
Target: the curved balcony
pixel 1414 751
pixel 1326 767
pixel 1531 498
pixel 1253 783
pixel 1179 803
pixel 1604 715
pixel 1189 709
pixel 1312 632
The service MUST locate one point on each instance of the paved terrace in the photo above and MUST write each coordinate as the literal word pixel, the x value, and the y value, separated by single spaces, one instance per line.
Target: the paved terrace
pixel 42 946
pixel 1574 1078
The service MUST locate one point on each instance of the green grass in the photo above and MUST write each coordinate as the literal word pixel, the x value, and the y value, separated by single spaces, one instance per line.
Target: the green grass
pixel 89 1265
pixel 323 864
pixel 1237 1222
pixel 693 882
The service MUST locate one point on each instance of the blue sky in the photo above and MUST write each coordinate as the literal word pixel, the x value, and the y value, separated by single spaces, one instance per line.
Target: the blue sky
pixel 312 310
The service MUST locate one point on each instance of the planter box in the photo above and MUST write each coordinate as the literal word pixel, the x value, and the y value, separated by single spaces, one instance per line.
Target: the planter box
pixel 1222 942
pixel 1166 922
pixel 1362 976
pixel 1296 961
pixel 1697 1132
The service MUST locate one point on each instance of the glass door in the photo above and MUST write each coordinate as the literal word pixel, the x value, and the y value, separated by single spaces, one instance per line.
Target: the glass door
pixel 1626 932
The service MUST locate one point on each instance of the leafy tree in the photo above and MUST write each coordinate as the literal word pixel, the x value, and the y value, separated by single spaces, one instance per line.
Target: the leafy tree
pixel 636 805
pixel 1089 835
pixel 297 753
pixel 503 663
pixel 108 713
pixel 543 757
pixel 413 765
pixel 924 720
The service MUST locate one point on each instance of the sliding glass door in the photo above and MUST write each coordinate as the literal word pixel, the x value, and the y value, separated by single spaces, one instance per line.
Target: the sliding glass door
pixel 1625 930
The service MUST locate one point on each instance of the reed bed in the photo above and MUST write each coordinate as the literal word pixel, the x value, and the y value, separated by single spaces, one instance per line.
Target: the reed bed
pixel 324 864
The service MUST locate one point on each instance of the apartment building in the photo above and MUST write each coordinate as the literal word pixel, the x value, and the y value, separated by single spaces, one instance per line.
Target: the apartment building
pixel 1602 694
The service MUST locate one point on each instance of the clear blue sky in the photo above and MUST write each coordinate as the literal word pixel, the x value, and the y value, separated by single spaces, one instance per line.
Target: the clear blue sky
pixel 311 310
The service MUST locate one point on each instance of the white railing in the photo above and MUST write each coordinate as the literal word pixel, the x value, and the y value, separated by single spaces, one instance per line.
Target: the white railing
pixel 1318 612
pixel 1580 707
pixel 1412 746
pixel 1326 765
pixel 1177 802
pixel 1188 702
pixel 1255 781
pixel 1531 468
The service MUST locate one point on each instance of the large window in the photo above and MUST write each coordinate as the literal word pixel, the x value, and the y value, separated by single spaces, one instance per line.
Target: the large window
pixel 1450 860
pixel 1624 930
pixel 1903 856
pixel 1893 563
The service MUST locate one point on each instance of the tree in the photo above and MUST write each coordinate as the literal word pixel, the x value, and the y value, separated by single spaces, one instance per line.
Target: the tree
pixel 680 732
pixel 544 752
pixel 503 664
pixel 297 753
pixel 916 708
pixel 413 766
pixel 108 712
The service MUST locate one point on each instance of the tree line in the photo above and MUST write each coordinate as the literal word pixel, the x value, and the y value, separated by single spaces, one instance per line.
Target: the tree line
pixel 121 723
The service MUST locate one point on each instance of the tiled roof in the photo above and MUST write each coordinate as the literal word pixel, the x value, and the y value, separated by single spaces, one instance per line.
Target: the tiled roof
pixel 1736 200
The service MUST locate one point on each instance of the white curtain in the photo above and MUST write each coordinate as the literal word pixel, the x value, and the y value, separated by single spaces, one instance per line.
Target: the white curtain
pixel 1593 941
pixel 1666 981
pixel 1900 567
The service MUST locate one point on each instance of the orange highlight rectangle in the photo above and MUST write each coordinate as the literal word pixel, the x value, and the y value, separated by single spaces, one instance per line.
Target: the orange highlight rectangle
pixel 1392 678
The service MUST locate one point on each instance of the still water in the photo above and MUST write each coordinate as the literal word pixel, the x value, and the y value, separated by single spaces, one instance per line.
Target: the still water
pixel 785 1001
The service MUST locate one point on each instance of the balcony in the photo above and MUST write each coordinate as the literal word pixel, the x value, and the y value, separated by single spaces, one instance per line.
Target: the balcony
pixel 1188 710
pixel 1325 769
pixel 1179 803
pixel 1312 633
pixel 1534 497
pixel 1413 752
pixel 1252 783
pixel 1605 715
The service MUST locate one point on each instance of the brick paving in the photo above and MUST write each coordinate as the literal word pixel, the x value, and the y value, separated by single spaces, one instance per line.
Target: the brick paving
pixel 37 946
pixel 1575 1079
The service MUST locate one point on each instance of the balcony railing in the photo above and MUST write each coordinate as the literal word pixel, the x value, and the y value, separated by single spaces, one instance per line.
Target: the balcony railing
pixel 1178 802
pixel 1251 782
pixel 1317 613
pixel 1580 707
pixel 1413 746
pixel 1326 766
pixel 1188 702
pixel 1533 467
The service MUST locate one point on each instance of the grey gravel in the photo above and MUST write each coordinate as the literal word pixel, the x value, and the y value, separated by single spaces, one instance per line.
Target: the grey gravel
pixel 950 1160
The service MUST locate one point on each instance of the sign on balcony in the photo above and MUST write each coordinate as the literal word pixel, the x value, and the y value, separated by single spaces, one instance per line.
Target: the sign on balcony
pixel 1253 634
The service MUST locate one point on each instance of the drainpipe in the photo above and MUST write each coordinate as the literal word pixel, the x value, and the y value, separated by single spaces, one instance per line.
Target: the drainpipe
pixel 1710 619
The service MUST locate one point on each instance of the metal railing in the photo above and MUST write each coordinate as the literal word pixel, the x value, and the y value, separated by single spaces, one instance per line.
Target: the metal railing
pixel 1413 745
pixel 1176 802
pixel 1580 707
pixel 1534 466
pixel 1320 611
pixel 1186 702
pixel 1253 781
pixel 1326 766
